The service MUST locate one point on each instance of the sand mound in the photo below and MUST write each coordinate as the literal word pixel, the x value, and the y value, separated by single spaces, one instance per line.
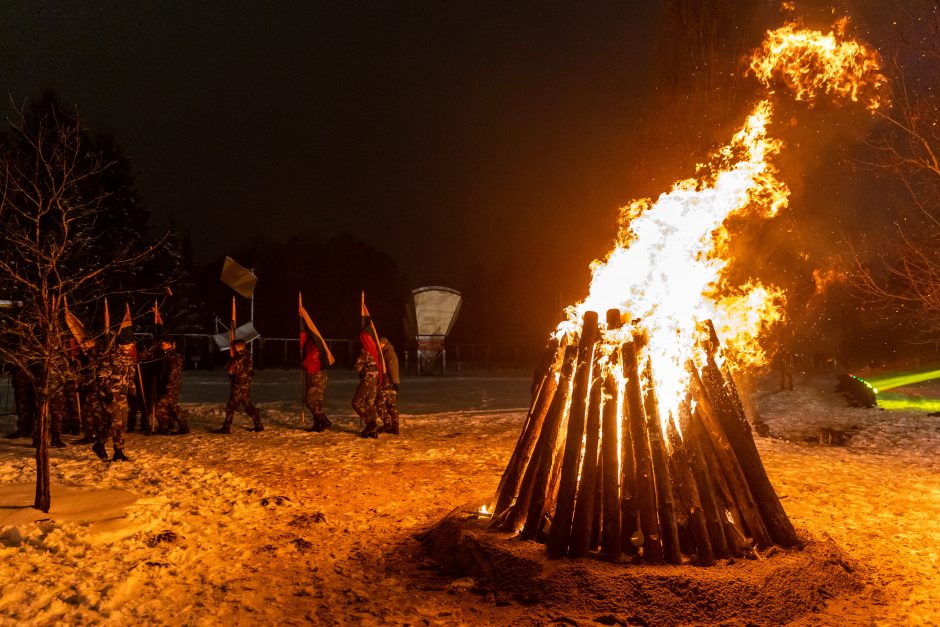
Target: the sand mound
pixel 776 590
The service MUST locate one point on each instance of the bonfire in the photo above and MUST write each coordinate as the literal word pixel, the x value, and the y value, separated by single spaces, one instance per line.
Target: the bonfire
pixel 636 441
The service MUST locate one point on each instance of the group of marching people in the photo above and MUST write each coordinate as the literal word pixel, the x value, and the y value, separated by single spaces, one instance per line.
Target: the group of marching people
pixel 107 386
pixel 102 392
pixel 376 396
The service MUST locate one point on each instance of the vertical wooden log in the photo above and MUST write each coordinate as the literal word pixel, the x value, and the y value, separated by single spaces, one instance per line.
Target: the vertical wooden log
pixel 587 489
pixel 685 485
pixel 729 515
pixel 530 505
pixel 667 514
pixel 629 516
pixel 610 468
pixel 728 461
pixel 703 482
pixel 645 486
pixel 560 533
pixel 734 422
pixel 508 488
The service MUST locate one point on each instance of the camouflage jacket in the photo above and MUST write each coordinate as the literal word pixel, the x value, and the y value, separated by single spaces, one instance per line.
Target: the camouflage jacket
pixel 366 365
pixel 240 369
pixel 171 373
pixel 116 373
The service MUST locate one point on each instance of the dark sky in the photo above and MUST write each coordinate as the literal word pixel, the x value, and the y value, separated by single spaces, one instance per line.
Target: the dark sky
pixel 447 134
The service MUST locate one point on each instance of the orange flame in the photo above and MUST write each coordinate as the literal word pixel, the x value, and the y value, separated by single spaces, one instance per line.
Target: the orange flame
pixel 810 63
pixel 666 273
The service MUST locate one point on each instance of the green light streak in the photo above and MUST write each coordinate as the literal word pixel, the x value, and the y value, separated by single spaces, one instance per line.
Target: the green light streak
pixel 899 401
pixel 888 382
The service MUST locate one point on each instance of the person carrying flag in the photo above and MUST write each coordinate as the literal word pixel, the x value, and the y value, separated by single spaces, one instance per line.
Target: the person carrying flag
pixel 115 377
pixel 371 368
pixel 386 400
pixel 240 371
pixel 315 358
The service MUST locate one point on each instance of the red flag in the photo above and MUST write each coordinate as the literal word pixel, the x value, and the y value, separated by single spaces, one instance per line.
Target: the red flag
pixel 75 325
pixel 107 317
pixel 312 334
pixel 127 322
pixel 370 339
pixel 157 318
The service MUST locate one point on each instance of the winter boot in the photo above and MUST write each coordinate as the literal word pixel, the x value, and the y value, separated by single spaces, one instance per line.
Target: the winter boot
pixel 223 429
pixel 317 427
pixel 98 448
pixel 257 428
pixel 183 430
pixel 119 456
pixel 371 431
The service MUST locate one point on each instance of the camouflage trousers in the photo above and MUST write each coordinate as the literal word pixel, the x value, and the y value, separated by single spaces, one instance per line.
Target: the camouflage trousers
pixel 386 404
pixel 364 399
pixel 91 412
pixel 314 391
pixel 169 415
pixel 115 422
pixel 58 407
pixel 240 396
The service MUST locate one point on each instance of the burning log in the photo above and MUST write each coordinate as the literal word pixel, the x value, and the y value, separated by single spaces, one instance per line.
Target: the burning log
pixel 529 501
pixel 689 497
pixel 601 464
pixel 667 514
pixel 735 425
pixel 540 482
pixel 560 532
pixel 582 526
pixel 544 392
pixel 648 532
pixel 610 461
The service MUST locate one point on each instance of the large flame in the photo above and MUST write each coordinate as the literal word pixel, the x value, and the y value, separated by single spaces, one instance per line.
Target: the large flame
pixel 666 273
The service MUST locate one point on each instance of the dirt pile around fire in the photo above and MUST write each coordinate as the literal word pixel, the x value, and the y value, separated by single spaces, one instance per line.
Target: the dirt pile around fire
pixel 779 589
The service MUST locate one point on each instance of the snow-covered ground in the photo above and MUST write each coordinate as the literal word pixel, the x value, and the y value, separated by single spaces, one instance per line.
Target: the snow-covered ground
pixel 291 527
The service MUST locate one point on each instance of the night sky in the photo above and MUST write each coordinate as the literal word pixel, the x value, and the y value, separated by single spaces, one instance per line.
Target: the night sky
pixel 445 134
pixel 453 136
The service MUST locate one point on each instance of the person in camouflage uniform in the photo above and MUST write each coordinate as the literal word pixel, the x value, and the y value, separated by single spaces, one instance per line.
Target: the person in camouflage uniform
pixel 364 398
pixel 315 378
pixel 115 380
pixel 240 371
pixel 386 400
pixel 89 402
pixel 24 400
pixel 169 380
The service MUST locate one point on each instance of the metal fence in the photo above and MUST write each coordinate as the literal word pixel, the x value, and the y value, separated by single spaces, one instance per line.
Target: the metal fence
pixel 200 352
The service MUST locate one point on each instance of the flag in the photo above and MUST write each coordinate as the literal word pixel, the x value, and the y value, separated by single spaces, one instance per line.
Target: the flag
pixel 75 325
pixel 370 339
pixel 107 317
pixel 127 322
pixel 238 278
pixel 312 334
pixel 157 318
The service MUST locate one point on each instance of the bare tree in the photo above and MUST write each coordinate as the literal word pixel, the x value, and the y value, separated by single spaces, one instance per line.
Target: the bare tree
pixel 905 278
pixel 51 211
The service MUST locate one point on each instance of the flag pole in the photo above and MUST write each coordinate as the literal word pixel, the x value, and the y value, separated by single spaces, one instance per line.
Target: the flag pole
pixel 231 332
pixel 303 368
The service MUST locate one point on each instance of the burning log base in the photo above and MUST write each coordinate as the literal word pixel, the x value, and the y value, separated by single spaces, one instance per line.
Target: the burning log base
pixel 598 469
